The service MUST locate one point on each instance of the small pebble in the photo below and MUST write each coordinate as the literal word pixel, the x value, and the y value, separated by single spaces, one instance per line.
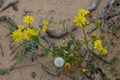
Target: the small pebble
pixel 15 7
pixel 33 74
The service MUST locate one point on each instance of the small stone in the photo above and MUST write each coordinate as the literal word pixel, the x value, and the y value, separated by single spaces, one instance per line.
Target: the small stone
pixel 15 7
pixel 33 74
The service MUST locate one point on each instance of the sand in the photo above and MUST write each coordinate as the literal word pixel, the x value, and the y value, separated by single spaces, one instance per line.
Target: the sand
pixel 59 10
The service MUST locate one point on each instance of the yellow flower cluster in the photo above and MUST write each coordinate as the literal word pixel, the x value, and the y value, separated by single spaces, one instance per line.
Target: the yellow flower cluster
pixel 80 19
pixel 29 33
pixel 25 33
pixel 98 46
pixel 45 26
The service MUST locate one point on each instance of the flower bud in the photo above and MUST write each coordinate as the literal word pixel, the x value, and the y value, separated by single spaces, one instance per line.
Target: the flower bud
pixel 98 22
pixel 102 36
pixel 83 70
pixel 67 65
pixel 104 52
pixel 93 36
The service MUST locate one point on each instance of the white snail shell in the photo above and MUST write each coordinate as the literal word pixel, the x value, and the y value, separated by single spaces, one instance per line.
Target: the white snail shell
pixel 59 62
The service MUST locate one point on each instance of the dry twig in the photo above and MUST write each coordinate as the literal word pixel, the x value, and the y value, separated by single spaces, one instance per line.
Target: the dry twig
pixel 8 20
pixel 93 5
pixel 2 49
pixel 1 2
pixel 9 5
pixel 54 34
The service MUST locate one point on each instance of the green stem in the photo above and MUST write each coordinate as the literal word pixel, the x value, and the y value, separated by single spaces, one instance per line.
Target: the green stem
pixel 45 47
pixel 86 40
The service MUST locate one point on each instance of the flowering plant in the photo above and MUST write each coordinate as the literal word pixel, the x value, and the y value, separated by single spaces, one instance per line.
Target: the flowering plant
pixel 75 55
pixel 28 37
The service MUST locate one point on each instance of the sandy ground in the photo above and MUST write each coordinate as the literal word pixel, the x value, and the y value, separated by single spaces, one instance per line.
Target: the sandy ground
pixel 59 10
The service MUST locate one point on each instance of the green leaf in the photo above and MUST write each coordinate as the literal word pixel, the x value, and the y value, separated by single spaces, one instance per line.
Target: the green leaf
pixel 91 66
pixel 46 52
pixel 112 69
pixel 4 71
pixel 12 29
pixel 114 60
pixel 41 25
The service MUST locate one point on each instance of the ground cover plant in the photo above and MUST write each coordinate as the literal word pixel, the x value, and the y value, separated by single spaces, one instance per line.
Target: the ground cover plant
pixel 82 58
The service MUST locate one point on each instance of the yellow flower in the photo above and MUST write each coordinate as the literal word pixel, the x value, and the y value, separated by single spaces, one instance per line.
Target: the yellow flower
pixel 104 51
pixel 17 35
pixel 83 12
pixel 34 32
pixel 28 19
pixel 21 27
pixel 45 23
pixel 27 34
pixel 80 20
pixel 98 45
pixel 44 28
